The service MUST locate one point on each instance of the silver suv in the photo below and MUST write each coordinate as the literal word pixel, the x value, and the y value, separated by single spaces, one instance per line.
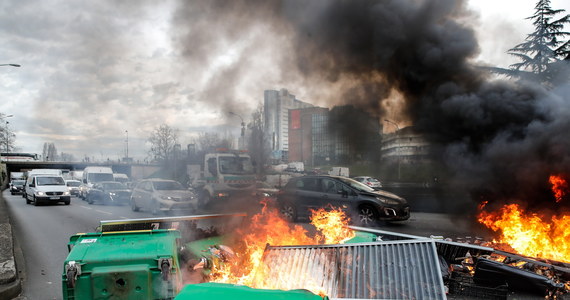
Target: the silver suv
pixel 158 195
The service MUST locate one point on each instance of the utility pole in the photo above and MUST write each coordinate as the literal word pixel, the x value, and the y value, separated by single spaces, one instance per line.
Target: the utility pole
pixel 127 150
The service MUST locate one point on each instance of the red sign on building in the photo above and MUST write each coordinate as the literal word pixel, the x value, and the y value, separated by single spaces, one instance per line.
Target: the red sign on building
pixel 295 119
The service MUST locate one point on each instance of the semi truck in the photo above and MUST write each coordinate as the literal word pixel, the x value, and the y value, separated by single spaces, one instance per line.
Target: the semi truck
pixel 220 175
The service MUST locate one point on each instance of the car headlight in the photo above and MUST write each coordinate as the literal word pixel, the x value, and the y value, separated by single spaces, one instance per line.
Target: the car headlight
pixel 388 201
pixel 40 194
pixel 66 193
pixel 166 197
pixel 111 194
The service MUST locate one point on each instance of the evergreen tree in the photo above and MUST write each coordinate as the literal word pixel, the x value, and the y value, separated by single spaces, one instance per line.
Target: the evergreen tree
pixel 543 47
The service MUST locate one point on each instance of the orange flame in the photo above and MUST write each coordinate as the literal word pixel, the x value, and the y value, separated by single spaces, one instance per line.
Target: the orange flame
pixel 529 234
pixel 559 187
pixel 269 228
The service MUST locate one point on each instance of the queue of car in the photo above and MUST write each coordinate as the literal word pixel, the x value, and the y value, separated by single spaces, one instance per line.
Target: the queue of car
pixel 361 197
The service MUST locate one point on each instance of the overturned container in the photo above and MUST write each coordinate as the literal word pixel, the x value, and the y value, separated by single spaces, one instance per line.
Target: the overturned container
pixel 122 265
pixel 135 259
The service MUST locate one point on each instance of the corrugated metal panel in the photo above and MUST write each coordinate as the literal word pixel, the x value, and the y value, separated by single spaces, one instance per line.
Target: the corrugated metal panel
pixel 384 270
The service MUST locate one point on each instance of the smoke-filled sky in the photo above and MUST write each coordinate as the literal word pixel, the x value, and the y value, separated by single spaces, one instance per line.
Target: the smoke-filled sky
pixel 92 70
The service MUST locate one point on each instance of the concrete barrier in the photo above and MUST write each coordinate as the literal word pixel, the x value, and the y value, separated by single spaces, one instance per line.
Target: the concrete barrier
pixel 10 285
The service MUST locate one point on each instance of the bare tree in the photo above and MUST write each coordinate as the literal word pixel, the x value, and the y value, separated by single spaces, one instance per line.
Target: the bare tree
pixel 258 142
pixel 162 142
pixel 49 152
pixel 208 141
pixel 7 137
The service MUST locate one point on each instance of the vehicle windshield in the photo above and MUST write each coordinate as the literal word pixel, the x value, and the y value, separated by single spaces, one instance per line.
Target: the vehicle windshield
pixel 356 185
pixel 114 186
pixel 18 182
pixel 50 181
pixel 235 165
pixel 167 185
pixel 73 183
pixel 98 177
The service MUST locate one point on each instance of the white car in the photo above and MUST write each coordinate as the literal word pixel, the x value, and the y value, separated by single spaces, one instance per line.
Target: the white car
pixel 369 181
pixel 73 186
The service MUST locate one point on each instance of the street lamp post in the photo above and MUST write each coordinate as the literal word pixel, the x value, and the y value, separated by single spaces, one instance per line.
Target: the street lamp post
pixel 242 129
pixel 398 146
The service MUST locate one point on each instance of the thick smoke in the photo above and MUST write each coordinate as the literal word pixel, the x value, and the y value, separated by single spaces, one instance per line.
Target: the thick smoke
pixel 502 139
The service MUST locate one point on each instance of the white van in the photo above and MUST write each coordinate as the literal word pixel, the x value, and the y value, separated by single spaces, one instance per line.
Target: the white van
pixel 46 188
pixel 33 172
pixel 92 175
pixel 44 172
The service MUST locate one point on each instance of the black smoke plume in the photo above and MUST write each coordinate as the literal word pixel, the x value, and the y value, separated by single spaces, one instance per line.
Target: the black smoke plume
pixel 503 139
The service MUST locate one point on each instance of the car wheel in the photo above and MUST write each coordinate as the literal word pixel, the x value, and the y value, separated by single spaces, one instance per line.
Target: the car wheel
pixel 134 206
pixel 155 207
pixel 36 202
pixel 204 199
pixel 27 200
pixel 67 202
pixel 89 199
pixel 367 215
pixel 288 211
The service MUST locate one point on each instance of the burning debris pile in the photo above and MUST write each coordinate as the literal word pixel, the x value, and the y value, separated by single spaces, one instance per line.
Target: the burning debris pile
pixel 352 262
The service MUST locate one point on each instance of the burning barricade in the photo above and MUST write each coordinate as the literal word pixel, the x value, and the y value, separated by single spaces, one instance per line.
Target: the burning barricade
pixel 265 256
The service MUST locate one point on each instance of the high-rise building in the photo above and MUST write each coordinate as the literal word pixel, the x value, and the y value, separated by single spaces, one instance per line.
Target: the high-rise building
pixel 342 135
pixel 276 119
pixel 307 131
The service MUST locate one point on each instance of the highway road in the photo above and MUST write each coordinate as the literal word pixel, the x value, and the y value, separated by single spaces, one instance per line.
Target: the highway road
pixel 42 234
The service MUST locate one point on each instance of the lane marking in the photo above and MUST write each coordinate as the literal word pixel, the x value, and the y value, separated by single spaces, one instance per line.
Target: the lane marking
pixel 104 212
pixel 87 207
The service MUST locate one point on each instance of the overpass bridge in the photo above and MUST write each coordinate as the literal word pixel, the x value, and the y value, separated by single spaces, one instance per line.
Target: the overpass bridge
pixel 133 170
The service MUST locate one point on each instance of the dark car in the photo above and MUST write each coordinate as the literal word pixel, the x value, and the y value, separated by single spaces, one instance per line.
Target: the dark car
pixel 109 192
pixel 17 186
pixel 363 204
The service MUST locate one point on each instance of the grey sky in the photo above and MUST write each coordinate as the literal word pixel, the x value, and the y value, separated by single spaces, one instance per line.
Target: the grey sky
pixel 93 69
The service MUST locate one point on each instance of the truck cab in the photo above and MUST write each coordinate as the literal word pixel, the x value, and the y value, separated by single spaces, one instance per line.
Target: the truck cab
pixel 223 174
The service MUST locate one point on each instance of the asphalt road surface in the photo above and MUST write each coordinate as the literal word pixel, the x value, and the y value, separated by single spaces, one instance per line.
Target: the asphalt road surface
pixel 42 234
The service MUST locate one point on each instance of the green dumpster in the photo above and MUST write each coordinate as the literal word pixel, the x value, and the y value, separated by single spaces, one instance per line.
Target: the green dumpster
pixel 224 291
pixel 122 265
